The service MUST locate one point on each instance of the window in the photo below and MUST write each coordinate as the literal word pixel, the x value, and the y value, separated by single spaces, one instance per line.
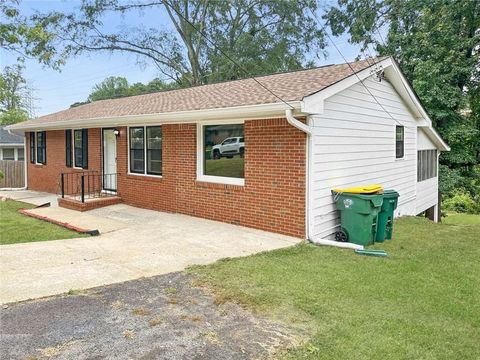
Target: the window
pixel 137 150
pixel 80 148
pixel 20 154
pixel 154 150
pixel 41 148
pixel 146 150
pixel 8 154
pixel 68 148
pixel 32 147
pixel 223 149
pixel 399 141
pixel 426 164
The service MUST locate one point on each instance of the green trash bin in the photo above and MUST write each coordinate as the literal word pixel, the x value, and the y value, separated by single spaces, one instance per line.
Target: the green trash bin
pixel 385 216
pixel 358 213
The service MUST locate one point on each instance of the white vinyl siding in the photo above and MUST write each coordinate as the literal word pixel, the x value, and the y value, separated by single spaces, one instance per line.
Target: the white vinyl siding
pixel 427 190
pixel 353 143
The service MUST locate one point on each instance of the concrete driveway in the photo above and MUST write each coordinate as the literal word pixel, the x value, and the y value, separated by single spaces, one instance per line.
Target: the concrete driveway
pixel 140 243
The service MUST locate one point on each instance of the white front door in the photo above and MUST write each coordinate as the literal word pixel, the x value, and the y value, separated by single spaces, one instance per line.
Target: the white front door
pixel 109 160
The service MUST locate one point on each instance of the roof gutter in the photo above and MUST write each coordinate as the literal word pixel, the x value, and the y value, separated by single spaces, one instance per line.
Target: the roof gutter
pixel 296 123
pixel 232 113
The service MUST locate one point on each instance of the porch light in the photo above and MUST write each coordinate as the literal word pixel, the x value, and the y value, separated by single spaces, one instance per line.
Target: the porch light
pixel 116 132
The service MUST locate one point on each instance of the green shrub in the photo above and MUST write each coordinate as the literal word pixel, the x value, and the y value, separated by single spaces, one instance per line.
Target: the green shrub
pixel 461 201
pixel 1 175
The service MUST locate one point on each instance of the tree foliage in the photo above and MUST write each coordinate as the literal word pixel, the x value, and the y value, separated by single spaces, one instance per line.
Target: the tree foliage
pixel 32 37
pixel 263 36
pixel 117 86
pixel 436 43
pixel 14 95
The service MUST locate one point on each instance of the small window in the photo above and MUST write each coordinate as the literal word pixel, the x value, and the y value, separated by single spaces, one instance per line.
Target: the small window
pixel 145 149
pixel 137 150
pixel 223 149
pixel 32 148
pixel 80 148
pixel 154 150
pixel 20 154
pixel 68 148
pixel 8 154
pixel 426 164
pixel 41 148
pixel 399 142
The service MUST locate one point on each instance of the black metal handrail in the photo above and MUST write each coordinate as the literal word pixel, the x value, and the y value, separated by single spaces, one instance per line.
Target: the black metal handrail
pixel 82 185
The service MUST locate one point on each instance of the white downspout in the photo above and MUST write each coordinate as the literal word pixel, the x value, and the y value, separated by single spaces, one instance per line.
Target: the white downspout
pixel 306 129
pixel 296 123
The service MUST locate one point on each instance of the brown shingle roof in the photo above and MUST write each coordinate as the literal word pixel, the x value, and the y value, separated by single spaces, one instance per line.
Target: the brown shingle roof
pixel 290 86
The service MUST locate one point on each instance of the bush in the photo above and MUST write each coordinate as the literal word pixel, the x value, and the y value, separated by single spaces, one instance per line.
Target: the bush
pixel 461 201
pixel 1 176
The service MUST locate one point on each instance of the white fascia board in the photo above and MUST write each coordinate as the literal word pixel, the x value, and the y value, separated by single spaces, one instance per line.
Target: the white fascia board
pixel 239 112
pixel 435 137
pixel 17 145
pixel 314 103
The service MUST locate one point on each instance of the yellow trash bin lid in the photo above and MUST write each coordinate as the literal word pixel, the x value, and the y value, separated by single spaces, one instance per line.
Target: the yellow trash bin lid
pixel 367 189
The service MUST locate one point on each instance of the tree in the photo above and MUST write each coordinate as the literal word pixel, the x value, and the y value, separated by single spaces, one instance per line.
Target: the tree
pixel 29 36
pixel 110 88
pixel 115 87
pixel 261 35
pixel 436 43
pixel 15 96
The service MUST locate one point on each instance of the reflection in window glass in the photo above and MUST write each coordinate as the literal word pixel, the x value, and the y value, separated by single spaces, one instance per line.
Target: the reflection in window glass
pixel 77 144
pixel 20 154
pixel 224 149
pixel 154 150
pixel 137 148
pixel 8 154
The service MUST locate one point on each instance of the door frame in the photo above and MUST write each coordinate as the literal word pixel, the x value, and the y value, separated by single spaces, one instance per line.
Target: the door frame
pixel 103 160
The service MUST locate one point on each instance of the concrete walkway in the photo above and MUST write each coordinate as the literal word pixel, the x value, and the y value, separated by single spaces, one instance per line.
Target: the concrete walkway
pixel 140 243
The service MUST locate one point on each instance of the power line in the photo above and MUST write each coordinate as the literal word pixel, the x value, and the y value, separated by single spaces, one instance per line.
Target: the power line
pixel 224 53
pixel 323 27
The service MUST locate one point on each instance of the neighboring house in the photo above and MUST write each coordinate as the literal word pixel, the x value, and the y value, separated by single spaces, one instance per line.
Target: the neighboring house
pixel 11 145
pixel 158 147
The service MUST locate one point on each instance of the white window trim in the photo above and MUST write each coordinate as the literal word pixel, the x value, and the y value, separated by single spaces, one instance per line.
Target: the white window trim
pixel 74 164
pixel 201 156
pixel 144 152
pixel 395 149
pixel 36 148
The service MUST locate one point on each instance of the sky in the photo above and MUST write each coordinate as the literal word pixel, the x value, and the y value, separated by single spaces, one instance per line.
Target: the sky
pixel 57 90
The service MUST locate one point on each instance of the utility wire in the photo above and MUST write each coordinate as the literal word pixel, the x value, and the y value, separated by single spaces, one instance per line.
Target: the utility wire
pixel 323 27
pixel 224 53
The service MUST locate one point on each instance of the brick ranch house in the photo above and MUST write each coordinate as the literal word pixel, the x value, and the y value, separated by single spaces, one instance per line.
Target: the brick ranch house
pixel 234 152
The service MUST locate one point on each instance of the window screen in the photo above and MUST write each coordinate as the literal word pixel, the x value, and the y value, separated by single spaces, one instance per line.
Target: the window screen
pixel 426 164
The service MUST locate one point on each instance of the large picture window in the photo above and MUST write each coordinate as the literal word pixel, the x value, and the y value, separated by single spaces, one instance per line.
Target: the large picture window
pixel 223 149
pixel 41 147
pixel 399 142
pixel 145 149
pixel 426 164
pixel 80 148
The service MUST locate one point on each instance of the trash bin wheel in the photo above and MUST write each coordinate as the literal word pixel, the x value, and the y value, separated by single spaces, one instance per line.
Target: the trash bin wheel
pixel 341 236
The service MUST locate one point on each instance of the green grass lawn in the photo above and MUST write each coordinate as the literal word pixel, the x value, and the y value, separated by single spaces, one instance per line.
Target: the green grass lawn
pixel 233 167
pixel 420 302
pixel 18 228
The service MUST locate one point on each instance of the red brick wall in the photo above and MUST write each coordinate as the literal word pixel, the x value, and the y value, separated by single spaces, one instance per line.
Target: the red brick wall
pixel 47 177
pixel 272 199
